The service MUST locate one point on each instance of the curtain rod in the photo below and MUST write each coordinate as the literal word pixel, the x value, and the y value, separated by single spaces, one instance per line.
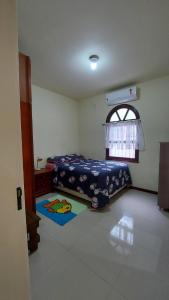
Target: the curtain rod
pixel 114 122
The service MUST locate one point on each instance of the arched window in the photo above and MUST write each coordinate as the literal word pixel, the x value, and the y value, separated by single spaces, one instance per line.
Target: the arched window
pixel 123 130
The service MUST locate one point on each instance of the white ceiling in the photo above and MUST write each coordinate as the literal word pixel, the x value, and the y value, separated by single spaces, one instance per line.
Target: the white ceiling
pixel 130 36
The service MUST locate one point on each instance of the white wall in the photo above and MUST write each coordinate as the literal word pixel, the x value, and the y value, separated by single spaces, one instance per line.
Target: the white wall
pixel 153 107
pixel 55 123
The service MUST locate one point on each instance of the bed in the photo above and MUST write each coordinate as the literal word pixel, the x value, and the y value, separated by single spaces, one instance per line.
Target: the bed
pixel 93 180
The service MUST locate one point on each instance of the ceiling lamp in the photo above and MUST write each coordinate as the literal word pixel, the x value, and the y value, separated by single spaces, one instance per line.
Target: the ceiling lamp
pixel 93 61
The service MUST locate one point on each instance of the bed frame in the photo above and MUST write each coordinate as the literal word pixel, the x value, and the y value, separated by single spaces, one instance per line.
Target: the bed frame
pixel 84 196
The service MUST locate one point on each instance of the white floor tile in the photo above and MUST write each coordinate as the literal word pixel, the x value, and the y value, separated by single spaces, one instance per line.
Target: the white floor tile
pixel 98 253
pixel 120 253
pixel 75 282
pixel 136 285
pixel 48 255
pixel 114 295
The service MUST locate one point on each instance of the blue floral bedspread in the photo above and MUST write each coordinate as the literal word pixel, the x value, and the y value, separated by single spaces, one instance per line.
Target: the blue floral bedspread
pixel 97 179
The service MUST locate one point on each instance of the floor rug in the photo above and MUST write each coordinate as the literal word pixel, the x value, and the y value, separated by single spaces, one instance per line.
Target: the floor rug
pixel 60 209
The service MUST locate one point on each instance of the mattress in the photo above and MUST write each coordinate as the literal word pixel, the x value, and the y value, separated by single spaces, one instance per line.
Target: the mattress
pixel 96 179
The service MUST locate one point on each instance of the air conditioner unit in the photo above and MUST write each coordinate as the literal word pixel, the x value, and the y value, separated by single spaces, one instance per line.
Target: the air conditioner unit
pixel 121 96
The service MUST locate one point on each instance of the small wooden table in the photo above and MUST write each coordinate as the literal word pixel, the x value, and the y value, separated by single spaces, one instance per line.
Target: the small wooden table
pixel 43 181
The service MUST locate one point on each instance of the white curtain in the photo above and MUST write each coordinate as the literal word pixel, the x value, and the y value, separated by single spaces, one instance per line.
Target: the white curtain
pixel 124 135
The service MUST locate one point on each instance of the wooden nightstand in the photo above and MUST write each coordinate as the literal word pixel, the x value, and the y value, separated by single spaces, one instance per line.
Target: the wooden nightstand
pixel 43 181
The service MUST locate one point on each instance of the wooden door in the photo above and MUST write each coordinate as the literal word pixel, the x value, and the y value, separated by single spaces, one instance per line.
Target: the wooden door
pixel 163 189
pixel 27 131
pixel 14 267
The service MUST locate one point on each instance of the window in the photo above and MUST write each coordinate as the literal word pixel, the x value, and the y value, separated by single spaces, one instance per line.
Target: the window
pixel 122 133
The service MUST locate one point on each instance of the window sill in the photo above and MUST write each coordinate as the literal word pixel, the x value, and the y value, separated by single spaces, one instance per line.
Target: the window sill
pixel 123 159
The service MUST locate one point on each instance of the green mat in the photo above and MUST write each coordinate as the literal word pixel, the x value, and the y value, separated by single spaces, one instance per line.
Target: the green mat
pixel 60 208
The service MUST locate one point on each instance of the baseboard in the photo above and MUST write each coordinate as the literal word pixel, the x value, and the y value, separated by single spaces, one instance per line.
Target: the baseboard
pixel 143 190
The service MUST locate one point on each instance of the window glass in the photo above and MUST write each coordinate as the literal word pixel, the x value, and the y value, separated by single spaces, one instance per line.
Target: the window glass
pixel 122 113
pixel 115 152
pixel 114 118
pixel 130 115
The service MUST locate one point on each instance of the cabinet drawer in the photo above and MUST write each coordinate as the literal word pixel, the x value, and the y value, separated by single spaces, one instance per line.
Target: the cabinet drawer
pixel 43 183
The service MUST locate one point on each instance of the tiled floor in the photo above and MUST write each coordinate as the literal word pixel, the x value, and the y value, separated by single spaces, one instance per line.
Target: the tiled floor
pixel 121 253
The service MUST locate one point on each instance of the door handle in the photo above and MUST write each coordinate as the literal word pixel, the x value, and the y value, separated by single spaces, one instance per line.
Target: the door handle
pixel 19 198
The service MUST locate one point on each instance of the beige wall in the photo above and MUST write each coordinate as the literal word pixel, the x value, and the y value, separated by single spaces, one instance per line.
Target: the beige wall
pixel 153 107
pixel 55 123
pixel 14 268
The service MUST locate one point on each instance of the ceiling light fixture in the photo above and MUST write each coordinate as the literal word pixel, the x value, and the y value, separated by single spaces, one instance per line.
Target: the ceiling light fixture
pixel 93 61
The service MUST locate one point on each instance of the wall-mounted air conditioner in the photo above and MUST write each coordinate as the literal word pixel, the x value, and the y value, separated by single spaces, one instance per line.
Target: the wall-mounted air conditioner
pixel 121 96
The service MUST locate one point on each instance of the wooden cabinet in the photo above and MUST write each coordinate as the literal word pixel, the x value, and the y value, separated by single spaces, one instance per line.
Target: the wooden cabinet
pixel 163 189
pixel 26 128
pixel 43 182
